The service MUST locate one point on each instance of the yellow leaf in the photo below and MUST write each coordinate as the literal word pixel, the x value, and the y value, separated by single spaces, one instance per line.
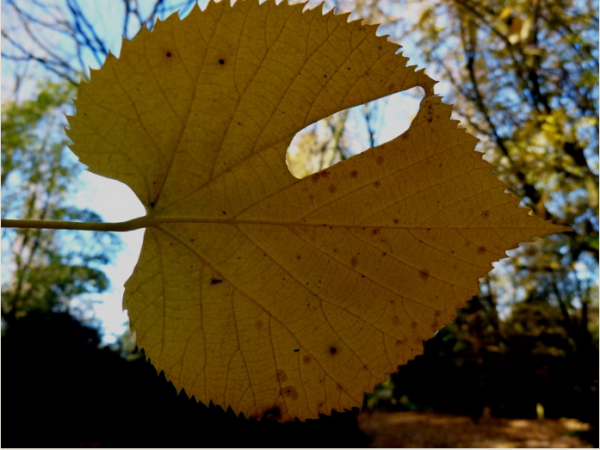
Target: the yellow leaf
pixel 259 291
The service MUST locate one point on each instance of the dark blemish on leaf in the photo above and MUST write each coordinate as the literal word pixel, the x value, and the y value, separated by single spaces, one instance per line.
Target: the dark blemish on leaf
pixel 384 254
pixel 485 214
pixel 335 250
pixel 192 240
pixel 363 276
pixel 315 177
pixel 221 61
pixel 324 75
pixel 405 136
pixel 396 221
pixel 153 183
pixel 377 184
pixel 395 321
pixel 437 314
pixel 298 257
pixel 353 261
pixel 307 359
pixel 152 204
pixel 214 281
pixel 354 173
pixel 339 387
pixel 259 324
pixel 379 160
pixel 224 212
pixel 169 54
pixel 290 392
pixel 325 173
pixel 429 120
pixel 392 86
pixel 333 350
pixel 435 325
pixel 333 188
pixel 281 376
pixel 424 274
pixel 481 250
pixel 296 350
pixel 414 325
pixel 375 231
pixel 271 414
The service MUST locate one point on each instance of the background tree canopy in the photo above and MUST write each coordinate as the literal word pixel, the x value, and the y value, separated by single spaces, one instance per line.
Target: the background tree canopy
pixel 523 77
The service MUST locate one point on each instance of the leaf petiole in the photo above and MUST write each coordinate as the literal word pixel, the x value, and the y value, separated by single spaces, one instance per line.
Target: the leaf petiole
pixel 129 225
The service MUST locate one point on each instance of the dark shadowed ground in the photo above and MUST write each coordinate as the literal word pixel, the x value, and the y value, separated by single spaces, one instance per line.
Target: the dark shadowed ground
pixel 60 390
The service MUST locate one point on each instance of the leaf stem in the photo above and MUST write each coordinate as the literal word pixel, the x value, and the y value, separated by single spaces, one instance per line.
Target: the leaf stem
pixel 129 225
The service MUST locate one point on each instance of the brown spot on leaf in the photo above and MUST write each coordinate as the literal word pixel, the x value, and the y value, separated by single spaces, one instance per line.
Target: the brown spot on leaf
pixel 271 414
pixel 354 173
pixel 414 325
pixel 259 324
pixel 290 392
pixel 281 376
pixel 395 321
pixel 481 250
pixel 333 188
pixel 353 261
pixel 169 54
pixel 377 184
pixel 391 86
pixel 485 214
pixel 214 281
pixel 396 221
pixel 221 61
pixel 424 274
pixel 333 350
pixel 315 178
pixel 375 231
pixel 379 160
pixel 306 359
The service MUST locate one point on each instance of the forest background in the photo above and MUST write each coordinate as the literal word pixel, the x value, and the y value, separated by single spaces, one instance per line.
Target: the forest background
pixel 523 77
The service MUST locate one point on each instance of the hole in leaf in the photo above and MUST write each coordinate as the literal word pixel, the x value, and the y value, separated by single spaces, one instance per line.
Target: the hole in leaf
pixel 351 131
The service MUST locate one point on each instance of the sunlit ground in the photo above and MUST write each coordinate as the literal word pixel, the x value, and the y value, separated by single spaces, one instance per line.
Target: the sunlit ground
pixel 432 430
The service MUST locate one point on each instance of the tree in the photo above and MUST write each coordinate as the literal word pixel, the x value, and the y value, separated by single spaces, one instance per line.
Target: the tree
pixel 47 269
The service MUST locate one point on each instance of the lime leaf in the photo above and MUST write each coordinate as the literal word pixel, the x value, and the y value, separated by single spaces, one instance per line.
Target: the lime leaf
pixel 256 290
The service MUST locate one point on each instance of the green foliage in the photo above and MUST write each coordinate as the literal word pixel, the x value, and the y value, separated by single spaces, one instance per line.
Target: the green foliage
pixel 47 269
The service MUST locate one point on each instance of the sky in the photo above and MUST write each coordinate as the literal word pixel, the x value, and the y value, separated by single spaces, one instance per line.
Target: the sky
pixel 115 202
